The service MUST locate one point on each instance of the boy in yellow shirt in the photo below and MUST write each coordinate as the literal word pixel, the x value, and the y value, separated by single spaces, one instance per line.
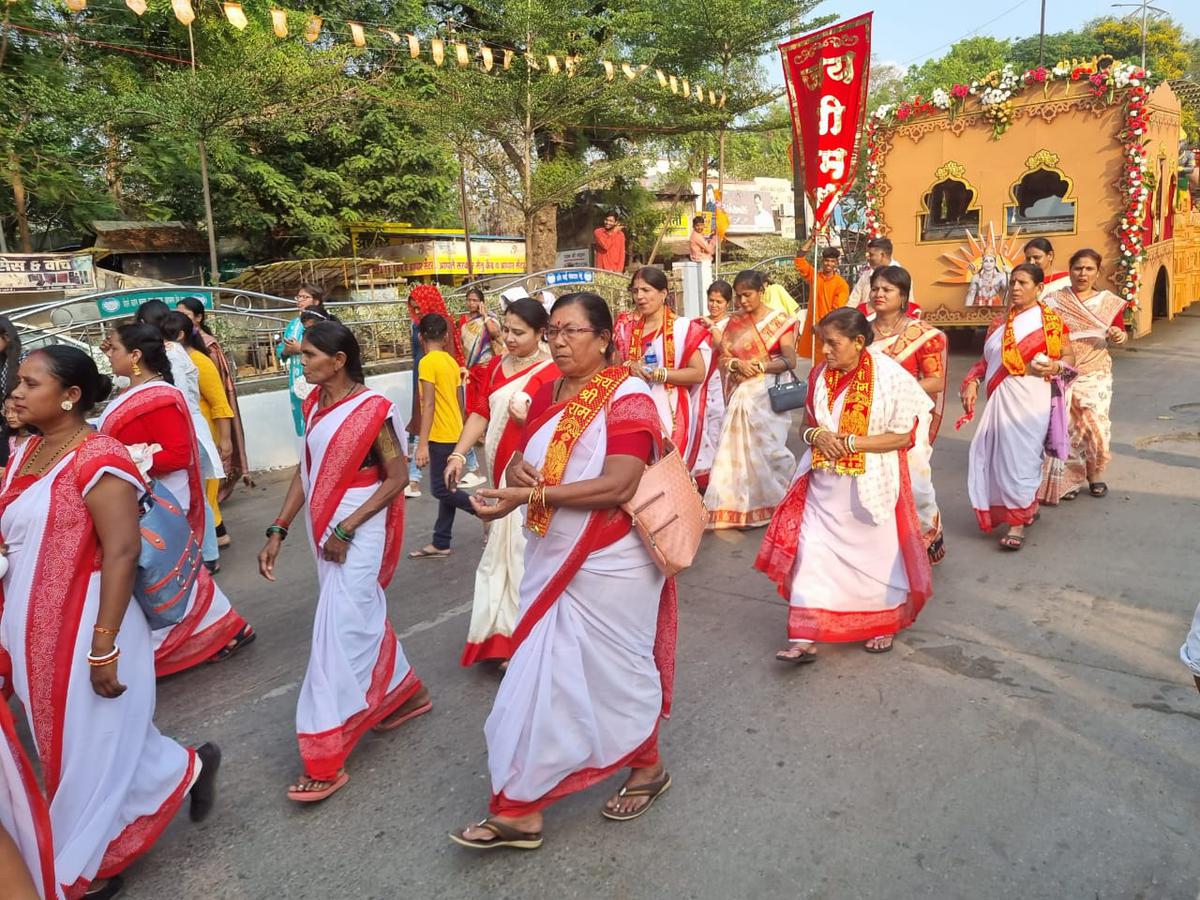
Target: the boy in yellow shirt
pixel 441 425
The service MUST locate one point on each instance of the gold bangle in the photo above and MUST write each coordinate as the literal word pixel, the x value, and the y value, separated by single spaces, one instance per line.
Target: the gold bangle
pixel 100 629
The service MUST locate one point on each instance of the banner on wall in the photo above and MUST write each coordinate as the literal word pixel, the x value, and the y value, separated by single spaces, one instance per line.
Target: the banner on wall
pixel 826 74
pixel 33 272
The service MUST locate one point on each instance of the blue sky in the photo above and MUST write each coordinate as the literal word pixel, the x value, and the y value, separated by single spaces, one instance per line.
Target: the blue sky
pixel 911 31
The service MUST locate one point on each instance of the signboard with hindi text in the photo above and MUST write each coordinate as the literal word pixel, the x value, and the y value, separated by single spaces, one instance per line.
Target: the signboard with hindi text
pixel 826 74
pixel 35 272
pixel 570 276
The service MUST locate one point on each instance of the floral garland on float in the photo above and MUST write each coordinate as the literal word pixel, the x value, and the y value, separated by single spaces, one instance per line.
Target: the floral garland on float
pixel 1103 78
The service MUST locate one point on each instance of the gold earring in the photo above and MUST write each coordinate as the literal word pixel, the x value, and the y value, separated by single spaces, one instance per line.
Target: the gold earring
pixel 67 405
pixel 137 370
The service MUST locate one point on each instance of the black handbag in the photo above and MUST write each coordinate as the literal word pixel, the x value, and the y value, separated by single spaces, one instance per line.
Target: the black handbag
pixel 787 395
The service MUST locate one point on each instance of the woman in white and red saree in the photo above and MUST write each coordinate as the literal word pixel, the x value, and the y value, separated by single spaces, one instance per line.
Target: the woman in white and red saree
pixel 1094 318
pixel 753 465
pixel 1040 252
pixel 81 652
pixel 670 353
pixel 922 350
pixel 594 648
pixel 352 475
pixel 153 411
pixel 845 545
pixel 498 417
pixel 720 301
pixel 1024 349
pixel 26 848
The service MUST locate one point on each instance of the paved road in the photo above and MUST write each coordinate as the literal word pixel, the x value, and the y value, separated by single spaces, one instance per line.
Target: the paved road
pixel 1033 735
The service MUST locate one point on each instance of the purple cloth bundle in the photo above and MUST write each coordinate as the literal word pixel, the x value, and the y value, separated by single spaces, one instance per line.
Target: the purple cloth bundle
pixel 1058 435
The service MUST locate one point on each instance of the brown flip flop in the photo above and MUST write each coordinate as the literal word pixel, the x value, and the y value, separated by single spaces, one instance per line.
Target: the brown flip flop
pixel 505 836
pixel 411 714
pixel 653 791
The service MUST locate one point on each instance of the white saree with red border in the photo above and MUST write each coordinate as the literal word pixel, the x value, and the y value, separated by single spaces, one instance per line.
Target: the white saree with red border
pixel 23 812
pixel 846 550
pixel 498 578
pixel 593 665
pixel 357 671
pixel 112 780
pixel 210 621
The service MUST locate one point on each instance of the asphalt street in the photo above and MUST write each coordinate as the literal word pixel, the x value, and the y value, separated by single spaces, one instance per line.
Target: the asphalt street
pixel 1033 735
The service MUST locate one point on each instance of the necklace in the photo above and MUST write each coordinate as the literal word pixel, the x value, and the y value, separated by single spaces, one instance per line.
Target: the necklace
pixel 66 445
pixel 353 388
pixel 883 330
pixel 520 362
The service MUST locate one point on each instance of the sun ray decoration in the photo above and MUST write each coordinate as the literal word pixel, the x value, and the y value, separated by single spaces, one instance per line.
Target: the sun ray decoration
pixel 963 263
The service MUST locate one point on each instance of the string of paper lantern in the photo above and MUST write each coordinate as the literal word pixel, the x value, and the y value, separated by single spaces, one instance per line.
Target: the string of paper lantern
pixel 568 64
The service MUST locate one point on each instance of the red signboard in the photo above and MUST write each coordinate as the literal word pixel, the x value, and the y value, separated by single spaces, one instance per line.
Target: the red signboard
pixel 826 75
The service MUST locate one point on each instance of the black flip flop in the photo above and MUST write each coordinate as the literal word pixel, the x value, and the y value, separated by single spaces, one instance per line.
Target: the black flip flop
pixel 243 638
pixel 1097 488
pixel 887 649
pixel 1070 495
pixel 801 659
pixel 204 791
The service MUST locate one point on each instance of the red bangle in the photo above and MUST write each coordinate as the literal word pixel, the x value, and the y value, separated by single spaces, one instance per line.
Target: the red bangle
pixel 282 524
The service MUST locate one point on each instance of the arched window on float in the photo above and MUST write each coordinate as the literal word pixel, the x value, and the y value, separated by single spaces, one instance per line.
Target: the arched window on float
pixel 950 208
pixel 1043 199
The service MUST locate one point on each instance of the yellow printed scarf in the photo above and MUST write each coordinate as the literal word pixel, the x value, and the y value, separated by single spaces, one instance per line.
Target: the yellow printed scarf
pixel 856 413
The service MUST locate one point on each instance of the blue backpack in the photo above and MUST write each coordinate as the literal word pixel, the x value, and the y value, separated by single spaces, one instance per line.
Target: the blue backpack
pixel 169 563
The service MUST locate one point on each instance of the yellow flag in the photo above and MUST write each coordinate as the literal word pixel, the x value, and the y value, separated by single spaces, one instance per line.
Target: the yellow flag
pixel 414 46
pixel 235 14
pixel 461 54
pixel 138 6
pixel 674 85
pixel 437 47
pixel 552 62
pixel 395 38
pixel 356 34
pixel 488 61
pixel 183 11
pixel 609 71
pixel 76 5
pixel 508 58
pixel 312 29
pixel 279 22
pixel 661 76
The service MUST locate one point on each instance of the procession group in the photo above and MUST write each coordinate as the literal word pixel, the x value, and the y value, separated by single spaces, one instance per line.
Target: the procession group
pixel 570 406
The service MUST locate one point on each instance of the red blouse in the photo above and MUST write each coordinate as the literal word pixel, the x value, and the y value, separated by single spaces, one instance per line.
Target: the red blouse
pixel 166 427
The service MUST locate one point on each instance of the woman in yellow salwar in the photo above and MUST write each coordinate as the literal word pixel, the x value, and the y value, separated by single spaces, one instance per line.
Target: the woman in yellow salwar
pixel 753 466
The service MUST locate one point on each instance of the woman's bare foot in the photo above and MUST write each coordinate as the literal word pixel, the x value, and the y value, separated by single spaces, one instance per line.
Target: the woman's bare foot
pixel 624 806
pixel 312 786
pixel 531 824
pixel 416 701
pixel 881 644
pixel 797 653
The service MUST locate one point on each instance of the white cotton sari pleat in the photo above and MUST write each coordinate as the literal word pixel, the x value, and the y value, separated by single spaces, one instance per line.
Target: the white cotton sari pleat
pixel 582 691
pixel 119 779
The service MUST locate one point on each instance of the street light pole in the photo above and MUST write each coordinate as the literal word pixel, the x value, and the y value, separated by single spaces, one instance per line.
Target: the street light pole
pixel 1146 9
pixel 1042 37
pixel 214 271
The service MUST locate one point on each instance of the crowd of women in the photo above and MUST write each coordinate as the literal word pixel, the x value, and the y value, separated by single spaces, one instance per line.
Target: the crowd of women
pixel 570 406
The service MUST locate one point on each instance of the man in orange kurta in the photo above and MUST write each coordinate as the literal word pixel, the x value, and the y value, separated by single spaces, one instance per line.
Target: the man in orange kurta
pixel 827 291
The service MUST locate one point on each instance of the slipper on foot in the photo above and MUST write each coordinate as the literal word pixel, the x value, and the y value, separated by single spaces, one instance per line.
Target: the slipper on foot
pixel 316 796
pixel 785 656
pixel 389 725
pixel 429 554
pixel 878 649
pixel 505 836
pixel 111 889
pixel 204 791
pixel 651 791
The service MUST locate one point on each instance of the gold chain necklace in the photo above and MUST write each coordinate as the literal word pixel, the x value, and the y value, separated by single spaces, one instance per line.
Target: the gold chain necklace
pixel 58 454
pixel 353 387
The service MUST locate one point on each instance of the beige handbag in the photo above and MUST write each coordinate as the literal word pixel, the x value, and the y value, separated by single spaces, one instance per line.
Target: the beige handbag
pixel 668 513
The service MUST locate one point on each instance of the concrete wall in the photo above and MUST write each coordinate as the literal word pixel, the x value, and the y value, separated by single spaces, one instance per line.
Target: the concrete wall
pixel 271 441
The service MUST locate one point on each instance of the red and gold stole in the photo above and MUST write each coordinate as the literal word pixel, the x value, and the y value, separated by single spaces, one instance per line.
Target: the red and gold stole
pixel 637 349
pixel 581 410
pixel 859 385
pixel 1052 327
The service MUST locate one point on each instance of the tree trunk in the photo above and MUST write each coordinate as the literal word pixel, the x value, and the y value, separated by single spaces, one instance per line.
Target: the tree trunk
pixel 541 238
pixel 18 189
pixel 112 169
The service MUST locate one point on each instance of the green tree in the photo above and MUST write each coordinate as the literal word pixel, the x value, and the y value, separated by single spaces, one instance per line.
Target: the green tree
pixel 966 61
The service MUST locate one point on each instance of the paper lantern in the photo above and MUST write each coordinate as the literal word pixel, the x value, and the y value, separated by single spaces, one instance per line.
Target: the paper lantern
pixel 312 30
pixel 279 22
pixel 183 11
pixel 356 34
pixel 235 14
pixel 488 60
pixel 461 54
pixel 414 46
pixel 437 49
pixel 76 5
pixel 137 6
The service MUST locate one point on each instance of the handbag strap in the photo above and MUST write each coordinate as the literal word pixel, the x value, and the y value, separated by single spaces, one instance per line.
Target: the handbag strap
pixel 789 371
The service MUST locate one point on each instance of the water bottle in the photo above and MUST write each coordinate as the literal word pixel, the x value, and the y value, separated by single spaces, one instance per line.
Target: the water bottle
pixel 650 357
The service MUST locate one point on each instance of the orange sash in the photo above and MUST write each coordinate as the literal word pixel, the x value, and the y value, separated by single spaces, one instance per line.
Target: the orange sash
pixel 581 410
pixel 637 348
pixel 1010 354
pixel 856 413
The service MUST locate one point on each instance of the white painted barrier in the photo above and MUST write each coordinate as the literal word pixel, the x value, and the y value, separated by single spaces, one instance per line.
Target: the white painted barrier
pixel 271 441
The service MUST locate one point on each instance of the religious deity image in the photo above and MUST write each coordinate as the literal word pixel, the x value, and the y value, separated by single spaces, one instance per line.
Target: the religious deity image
pixel 983 263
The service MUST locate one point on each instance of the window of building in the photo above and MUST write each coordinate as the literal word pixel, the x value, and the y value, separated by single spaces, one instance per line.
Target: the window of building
pixel 951 206
pixel 1042 202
